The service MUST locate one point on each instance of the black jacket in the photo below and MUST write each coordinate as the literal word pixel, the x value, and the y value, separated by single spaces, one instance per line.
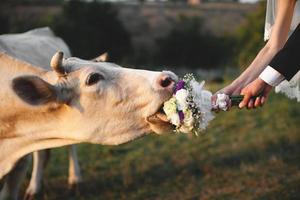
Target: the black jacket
pixel 287 60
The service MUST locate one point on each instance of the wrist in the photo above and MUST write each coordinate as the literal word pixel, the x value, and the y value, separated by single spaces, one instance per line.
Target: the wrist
pixel 238 82
pixel 261 82
pixel 245 79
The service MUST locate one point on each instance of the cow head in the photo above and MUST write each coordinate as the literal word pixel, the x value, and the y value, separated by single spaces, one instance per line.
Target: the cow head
pixel 100 102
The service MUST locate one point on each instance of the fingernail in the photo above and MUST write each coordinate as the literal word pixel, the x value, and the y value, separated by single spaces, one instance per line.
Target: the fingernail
pixel 263 99
pixel 241 105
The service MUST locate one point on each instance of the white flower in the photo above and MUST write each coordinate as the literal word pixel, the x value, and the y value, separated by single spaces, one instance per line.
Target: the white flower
pixel 197 86
pixel 201 97
pixel 221 101
pixel 170 107
pixel 174 118
pixel 205 103
pixel 195 103
pixel 181 96
pixel 222 97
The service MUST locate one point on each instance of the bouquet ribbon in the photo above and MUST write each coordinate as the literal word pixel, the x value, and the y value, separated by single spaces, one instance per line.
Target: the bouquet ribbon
pixel 237 99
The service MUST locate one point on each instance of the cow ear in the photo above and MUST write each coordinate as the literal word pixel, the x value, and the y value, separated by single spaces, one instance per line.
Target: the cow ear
pixel 34 90
pixel 101 58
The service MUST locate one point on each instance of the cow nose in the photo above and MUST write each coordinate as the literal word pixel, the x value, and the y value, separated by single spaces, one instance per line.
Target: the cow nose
pixel 166 80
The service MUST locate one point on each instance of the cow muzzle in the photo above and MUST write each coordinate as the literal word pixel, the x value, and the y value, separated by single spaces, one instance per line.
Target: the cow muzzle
pixel 166 82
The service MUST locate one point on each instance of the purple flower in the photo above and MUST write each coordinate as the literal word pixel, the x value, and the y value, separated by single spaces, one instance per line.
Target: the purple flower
pixel 180 85
pixel 181 115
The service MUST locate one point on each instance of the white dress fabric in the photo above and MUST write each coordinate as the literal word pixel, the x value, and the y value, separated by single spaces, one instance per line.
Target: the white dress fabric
pixel 291 88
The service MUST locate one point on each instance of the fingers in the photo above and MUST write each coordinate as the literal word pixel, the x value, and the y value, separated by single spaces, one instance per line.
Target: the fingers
pixel 263 100
pixel 250 104
pixel 258 102
pixel 253 89
pixel 256 87
pixel 265 94
pixel 246 99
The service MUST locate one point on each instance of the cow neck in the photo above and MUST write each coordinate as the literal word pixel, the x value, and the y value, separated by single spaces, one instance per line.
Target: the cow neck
pixel 15 148
pixel 30 129
pixel 24 128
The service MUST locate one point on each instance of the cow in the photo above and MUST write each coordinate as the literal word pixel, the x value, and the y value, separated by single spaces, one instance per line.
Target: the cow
pixel 42 44
pixel 77 101
pixel 40 160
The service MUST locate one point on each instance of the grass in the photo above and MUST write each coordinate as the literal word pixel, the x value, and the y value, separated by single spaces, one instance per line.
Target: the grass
pixel 242 155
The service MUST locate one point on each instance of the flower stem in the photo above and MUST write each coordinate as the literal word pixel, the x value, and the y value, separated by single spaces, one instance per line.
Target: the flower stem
pixel 236 99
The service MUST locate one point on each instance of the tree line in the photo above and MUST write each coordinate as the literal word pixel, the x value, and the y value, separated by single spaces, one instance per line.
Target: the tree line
pixel 93 28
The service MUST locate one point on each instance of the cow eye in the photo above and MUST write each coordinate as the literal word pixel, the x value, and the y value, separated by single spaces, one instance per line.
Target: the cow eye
pixel 93 78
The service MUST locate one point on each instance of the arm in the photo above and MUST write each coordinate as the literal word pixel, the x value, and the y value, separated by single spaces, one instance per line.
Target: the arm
pixel 287 60
pixel 277 40
pixel 284 65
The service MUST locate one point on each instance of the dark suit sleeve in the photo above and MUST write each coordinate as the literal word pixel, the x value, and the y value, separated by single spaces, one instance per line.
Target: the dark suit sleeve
pixel 287 60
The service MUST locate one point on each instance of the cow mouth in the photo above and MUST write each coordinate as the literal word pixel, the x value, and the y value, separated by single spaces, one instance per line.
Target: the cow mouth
pixel 159 119
pixel 161 115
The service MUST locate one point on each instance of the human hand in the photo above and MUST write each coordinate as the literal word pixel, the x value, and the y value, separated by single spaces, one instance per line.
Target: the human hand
pixel 255 88
pixel 232 89
pixel 220 102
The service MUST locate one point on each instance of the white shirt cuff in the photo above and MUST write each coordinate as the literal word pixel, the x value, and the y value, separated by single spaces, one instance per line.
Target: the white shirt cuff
pixel 271 76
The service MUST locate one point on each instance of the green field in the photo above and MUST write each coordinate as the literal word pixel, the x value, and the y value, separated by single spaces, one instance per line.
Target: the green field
pixel 243 155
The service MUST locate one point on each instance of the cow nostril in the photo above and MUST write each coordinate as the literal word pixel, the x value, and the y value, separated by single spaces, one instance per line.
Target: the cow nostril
pixel 166 82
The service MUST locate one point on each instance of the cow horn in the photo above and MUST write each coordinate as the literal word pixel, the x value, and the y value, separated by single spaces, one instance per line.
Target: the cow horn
pixel 102 58
pixel 56 63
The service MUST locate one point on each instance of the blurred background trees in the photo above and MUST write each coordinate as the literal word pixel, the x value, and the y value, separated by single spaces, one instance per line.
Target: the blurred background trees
pixel 91 28
pixel 253 155
pixel 249 37
pixel 188 45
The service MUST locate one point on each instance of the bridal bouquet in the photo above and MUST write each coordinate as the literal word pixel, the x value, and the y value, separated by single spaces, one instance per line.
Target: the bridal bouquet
pixel 190 107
